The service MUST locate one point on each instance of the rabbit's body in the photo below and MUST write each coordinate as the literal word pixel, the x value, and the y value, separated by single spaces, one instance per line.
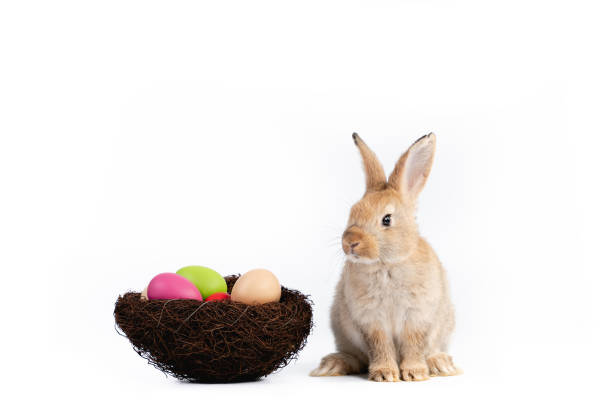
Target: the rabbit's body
pixel 392 311
pixel 411 294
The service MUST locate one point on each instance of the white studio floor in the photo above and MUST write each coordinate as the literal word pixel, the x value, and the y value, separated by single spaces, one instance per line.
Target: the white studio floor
pixel 118 377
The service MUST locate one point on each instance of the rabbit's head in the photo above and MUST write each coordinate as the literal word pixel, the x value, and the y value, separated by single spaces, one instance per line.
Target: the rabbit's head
pixel 382 225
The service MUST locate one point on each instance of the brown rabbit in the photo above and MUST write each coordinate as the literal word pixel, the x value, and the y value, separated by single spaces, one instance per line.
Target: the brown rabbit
pixel 392 313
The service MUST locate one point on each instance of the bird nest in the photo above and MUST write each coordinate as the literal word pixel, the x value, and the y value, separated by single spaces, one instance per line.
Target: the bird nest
pixel 216 341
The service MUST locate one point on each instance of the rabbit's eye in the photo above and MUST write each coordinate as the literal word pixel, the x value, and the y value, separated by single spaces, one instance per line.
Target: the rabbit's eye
pixel 386 221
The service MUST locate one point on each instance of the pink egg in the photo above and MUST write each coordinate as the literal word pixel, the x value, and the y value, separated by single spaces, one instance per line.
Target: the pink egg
pixel 172 286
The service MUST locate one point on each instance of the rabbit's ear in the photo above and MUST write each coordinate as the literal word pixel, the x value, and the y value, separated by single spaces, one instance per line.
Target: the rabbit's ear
pixel 375 175
pixel 413 167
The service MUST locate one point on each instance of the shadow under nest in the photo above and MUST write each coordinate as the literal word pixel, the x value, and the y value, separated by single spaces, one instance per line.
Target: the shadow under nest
pixel 216 341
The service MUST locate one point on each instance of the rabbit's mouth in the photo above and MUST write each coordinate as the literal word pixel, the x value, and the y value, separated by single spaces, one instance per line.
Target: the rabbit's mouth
pixel 351 257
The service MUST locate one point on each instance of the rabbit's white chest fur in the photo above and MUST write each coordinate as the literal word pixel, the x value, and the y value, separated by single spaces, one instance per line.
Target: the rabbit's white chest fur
pixel 390 297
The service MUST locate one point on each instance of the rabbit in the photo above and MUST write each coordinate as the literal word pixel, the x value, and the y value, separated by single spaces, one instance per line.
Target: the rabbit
pixel 392 315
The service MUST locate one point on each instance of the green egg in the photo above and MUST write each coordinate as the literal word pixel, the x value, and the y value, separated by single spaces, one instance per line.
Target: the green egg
pixel 205 279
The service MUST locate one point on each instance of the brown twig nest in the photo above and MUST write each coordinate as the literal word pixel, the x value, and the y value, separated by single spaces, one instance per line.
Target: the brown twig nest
pixel 216 341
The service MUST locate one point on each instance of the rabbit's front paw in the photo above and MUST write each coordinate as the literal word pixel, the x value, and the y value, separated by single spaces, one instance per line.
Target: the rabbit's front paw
pixel 415 372
pixel 387 373
pixel 442 364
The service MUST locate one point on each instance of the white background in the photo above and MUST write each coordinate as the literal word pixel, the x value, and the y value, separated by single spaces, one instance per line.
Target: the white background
pixel 139 137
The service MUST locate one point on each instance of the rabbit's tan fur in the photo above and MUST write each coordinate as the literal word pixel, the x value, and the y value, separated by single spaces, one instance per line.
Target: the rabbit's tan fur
pixel 392 313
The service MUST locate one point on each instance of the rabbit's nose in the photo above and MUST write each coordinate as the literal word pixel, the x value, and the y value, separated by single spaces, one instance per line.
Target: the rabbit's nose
pixel 351 240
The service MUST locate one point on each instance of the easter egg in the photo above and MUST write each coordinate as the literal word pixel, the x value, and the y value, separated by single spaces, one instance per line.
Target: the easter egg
pixel 172 286
pixel 205 279
pixel 218 297
pixel 143 294
pixel 256 287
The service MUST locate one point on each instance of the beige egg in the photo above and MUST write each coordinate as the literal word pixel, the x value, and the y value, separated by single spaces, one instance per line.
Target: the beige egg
pixel 256 287
pixel 143 294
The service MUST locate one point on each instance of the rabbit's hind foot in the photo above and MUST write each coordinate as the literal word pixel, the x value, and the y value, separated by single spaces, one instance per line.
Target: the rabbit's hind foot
pixel 337 364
